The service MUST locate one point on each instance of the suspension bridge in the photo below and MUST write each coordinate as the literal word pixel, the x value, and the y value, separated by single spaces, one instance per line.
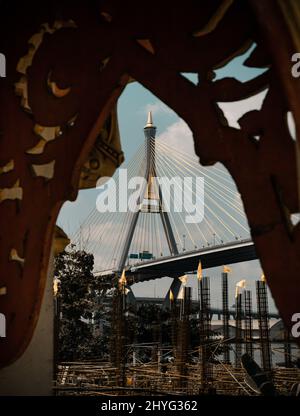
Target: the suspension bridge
pixel 155 239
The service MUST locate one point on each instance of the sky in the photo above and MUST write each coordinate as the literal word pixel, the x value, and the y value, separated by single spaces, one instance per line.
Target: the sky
pixel 133 107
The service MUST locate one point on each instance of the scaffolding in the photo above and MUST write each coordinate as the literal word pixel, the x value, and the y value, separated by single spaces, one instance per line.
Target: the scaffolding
pixel 183 338
pixel 190 369
pixel 248 335
pixel 98 378
pixel 157 345
pixel 238 330
pixel 287 349
pixel 225 318
pixel 263 321
pixel 174 325
pixel 118 336
pixel 205 331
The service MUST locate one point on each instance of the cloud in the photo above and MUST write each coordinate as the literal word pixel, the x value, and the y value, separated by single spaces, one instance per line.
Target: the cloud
pixel 157 108
pixel 233 111
pixel 152 288
pixel 178 136
pixel 251 271
pixel 291 125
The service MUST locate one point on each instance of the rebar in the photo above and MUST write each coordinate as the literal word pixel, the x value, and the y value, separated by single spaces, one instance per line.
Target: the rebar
pixel 238 330
pixel 263 321
pixel 248 337
pixel 205 331
pixel 225 317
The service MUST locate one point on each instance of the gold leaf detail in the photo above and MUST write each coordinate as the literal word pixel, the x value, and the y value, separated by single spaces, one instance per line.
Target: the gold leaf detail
pixel 146 44
pixel 46 170
pixel 8 167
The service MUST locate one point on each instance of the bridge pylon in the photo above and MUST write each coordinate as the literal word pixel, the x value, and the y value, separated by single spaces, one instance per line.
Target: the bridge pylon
pixel 151 201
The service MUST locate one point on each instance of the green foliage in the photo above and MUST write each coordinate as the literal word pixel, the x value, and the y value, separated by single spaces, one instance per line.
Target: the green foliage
pixel 77 299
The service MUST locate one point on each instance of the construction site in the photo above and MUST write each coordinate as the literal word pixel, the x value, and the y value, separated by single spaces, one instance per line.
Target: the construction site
pixel 187 353
pixel 139 141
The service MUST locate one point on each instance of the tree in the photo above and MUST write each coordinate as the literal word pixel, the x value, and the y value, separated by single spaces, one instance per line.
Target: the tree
pixel 77 303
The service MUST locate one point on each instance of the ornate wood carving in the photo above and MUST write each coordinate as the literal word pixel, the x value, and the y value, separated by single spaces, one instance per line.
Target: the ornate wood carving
pixel 61 88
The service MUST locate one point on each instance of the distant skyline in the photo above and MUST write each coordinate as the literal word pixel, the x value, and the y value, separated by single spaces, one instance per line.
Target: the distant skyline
pixel 133 106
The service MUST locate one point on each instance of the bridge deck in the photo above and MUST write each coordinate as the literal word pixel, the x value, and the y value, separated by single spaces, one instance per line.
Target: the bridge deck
pixel 177 265
pixel 180 264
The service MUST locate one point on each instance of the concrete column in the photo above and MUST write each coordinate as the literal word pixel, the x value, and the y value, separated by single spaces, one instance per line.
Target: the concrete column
pixel 32 373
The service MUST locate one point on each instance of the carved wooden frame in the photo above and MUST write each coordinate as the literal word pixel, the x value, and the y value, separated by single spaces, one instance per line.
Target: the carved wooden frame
pixel 76 72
